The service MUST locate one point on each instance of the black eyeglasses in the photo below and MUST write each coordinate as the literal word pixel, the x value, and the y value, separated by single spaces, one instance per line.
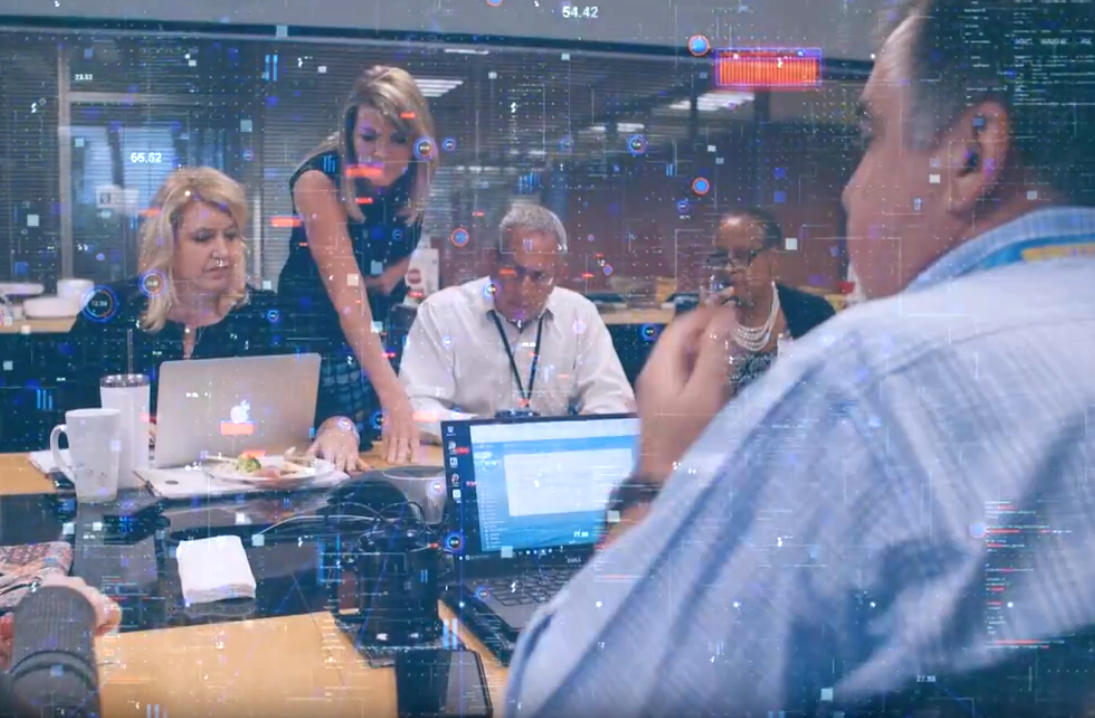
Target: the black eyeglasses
pixel 722 259
pixel 517 273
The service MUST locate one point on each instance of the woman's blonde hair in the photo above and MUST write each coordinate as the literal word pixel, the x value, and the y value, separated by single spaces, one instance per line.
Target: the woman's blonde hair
pixel 182 188
pixel 393 93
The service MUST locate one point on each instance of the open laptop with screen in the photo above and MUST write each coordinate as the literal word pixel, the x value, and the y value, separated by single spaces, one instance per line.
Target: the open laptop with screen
pixel 528 503
pixel 206 407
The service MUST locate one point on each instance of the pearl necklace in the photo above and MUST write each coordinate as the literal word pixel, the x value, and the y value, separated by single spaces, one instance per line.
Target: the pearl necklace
pixel 754 339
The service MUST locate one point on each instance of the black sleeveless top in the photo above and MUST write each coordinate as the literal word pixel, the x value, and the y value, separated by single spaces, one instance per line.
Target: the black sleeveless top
pixel 380 241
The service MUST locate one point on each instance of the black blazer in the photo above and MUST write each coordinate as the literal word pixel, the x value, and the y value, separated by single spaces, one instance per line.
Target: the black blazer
pixel 803 310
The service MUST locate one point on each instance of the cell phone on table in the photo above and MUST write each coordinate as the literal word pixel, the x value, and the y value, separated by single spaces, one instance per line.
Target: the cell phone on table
pixel 441 684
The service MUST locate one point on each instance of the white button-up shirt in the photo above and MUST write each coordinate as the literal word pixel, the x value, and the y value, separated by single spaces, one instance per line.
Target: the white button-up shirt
pixel 455 366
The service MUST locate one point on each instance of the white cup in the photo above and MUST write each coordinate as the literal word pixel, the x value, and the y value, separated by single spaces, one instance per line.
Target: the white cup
pixel 129 394
pixel 78 290
pixel 95 448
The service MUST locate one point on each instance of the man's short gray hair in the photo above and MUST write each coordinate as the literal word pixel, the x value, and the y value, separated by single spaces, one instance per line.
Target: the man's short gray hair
pixel 531 218
pixel 956 54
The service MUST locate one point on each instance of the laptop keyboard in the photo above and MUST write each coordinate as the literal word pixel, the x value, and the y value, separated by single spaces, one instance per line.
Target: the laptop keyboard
pixel 530 588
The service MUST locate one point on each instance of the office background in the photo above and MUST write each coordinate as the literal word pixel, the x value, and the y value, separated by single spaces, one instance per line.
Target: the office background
pixel 97 111
pixel 545 125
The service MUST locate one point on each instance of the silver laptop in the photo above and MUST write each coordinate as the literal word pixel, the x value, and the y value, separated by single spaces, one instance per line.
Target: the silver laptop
pixel 207 407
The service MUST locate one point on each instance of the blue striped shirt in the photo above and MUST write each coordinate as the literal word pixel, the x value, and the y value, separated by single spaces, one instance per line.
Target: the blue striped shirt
pixel 829 528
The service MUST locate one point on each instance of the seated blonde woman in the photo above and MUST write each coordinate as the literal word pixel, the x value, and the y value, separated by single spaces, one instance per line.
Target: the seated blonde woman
pixel 191 300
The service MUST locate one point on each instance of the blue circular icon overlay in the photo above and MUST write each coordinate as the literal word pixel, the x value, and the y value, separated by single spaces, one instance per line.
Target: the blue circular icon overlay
pixel 699 45
pixel 454 542
pixel 152 283
pixel 102 306
pixel 460 237
pixel 424 148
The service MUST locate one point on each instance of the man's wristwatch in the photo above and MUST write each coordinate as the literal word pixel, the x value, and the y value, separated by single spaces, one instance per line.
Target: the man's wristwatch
pixel 636 490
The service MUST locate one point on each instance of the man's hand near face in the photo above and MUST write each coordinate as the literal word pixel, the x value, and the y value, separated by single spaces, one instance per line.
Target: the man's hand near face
pixel 685 382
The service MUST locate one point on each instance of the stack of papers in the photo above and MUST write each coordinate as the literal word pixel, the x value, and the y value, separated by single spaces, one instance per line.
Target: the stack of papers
pixel 214 569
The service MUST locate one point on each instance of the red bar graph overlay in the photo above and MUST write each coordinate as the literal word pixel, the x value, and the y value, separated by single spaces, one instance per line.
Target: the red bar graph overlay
pixel 768 68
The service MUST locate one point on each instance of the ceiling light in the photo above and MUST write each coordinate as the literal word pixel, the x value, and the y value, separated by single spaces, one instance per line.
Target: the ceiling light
pixel 432 87
pixel 465 51
pixel 620 127
pixel 718 100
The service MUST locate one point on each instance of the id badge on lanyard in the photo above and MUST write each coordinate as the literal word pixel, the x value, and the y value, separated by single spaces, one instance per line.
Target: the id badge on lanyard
pixel 526 395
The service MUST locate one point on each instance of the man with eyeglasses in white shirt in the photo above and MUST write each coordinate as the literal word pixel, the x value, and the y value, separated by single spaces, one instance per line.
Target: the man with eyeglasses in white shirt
pixel 513 343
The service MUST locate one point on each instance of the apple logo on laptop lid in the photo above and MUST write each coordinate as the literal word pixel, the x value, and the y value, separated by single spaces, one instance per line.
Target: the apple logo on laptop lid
pixel 239 423
pixel 241 413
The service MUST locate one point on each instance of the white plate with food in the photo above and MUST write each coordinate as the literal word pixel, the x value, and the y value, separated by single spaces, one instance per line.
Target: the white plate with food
pixel 280 472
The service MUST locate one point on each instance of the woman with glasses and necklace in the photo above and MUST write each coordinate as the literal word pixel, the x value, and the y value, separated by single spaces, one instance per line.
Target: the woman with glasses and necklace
pixel 361 197
pixel 742 274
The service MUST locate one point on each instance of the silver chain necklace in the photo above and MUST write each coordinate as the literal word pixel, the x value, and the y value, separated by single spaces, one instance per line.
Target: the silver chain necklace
pixel 754 339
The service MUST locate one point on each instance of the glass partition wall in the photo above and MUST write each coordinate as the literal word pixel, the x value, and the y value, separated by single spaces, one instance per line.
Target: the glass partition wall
pixel 613 143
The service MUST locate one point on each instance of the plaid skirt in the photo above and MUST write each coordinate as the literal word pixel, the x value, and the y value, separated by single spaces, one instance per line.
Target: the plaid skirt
pixel 342 378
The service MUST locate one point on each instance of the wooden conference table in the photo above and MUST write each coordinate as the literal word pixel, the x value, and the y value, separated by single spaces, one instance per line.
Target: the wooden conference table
pixel 269 667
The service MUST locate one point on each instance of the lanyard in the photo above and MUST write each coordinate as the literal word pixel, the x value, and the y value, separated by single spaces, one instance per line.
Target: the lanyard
pixel 1039 249
pixel 527 398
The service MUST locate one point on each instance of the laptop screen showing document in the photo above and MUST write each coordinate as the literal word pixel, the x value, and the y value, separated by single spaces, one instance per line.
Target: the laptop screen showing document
pixel 530 487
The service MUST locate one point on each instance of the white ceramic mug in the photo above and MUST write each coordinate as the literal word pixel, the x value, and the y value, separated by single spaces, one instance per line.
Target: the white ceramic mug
pixel 95 448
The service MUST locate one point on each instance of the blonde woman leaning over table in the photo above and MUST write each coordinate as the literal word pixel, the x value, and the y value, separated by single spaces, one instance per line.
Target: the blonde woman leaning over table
pixel 191 300
pixel 361 196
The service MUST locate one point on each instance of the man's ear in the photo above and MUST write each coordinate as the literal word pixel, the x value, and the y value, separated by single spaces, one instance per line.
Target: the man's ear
pixel 976 155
